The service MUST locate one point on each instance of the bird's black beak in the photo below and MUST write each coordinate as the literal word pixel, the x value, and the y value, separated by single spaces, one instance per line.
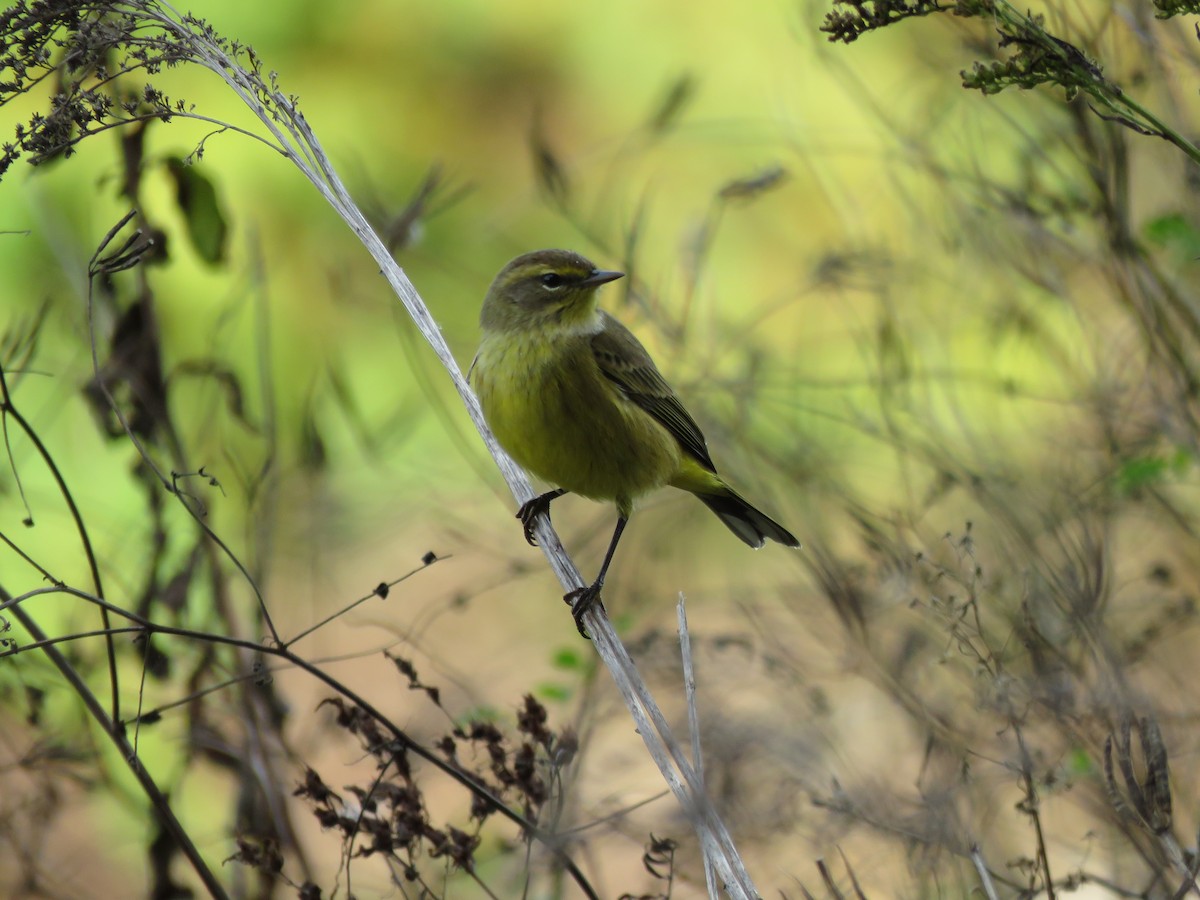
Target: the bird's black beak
pixel 599 276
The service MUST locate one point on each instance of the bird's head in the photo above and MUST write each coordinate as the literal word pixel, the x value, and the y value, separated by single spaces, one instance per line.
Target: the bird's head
pixel 546 288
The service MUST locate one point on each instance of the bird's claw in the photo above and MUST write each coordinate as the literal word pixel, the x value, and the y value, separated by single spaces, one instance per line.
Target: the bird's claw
pixel 581 600
pixel 528 514
pixel 531 509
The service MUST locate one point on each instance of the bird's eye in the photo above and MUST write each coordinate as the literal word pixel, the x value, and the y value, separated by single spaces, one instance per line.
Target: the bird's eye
pixel 552 280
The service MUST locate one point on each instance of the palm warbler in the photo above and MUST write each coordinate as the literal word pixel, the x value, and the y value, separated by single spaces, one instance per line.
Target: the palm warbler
pixel 574 398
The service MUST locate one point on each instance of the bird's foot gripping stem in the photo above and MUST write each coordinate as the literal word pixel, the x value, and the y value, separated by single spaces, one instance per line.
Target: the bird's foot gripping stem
pixel 531 509
pixel 581 600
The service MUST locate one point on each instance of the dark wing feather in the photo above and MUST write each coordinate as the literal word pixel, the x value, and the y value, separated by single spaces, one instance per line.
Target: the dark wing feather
pixel 625 362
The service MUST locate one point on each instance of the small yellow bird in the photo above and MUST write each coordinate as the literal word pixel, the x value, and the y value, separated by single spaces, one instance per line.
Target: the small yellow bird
pixel 575 398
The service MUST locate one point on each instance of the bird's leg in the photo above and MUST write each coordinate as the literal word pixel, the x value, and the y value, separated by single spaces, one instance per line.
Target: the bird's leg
pixel 531 509
pixel 583 599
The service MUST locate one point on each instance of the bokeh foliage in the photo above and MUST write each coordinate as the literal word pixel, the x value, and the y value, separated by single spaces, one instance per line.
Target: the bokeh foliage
pixel 948 335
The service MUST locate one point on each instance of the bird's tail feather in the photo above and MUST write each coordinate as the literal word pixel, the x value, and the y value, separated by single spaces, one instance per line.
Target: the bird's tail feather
pixel 748 523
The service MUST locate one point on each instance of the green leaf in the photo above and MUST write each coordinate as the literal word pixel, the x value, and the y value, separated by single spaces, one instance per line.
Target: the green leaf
pixel 553 691
pixel 567 658
pixel 1142 471
pixel 197 199
pixel 1079 763
pixel 1174 231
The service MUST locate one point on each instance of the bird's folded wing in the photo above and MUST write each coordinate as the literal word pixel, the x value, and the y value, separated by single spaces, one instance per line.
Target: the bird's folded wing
pixel 625 362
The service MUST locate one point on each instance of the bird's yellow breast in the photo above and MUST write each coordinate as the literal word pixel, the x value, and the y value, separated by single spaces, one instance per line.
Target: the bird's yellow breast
pixel 557 415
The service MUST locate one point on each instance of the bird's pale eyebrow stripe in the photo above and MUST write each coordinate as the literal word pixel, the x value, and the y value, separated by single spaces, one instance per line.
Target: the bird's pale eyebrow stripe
pixel 537 270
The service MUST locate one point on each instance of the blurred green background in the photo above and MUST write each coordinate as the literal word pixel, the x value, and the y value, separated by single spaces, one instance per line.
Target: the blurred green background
pixel 891 303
